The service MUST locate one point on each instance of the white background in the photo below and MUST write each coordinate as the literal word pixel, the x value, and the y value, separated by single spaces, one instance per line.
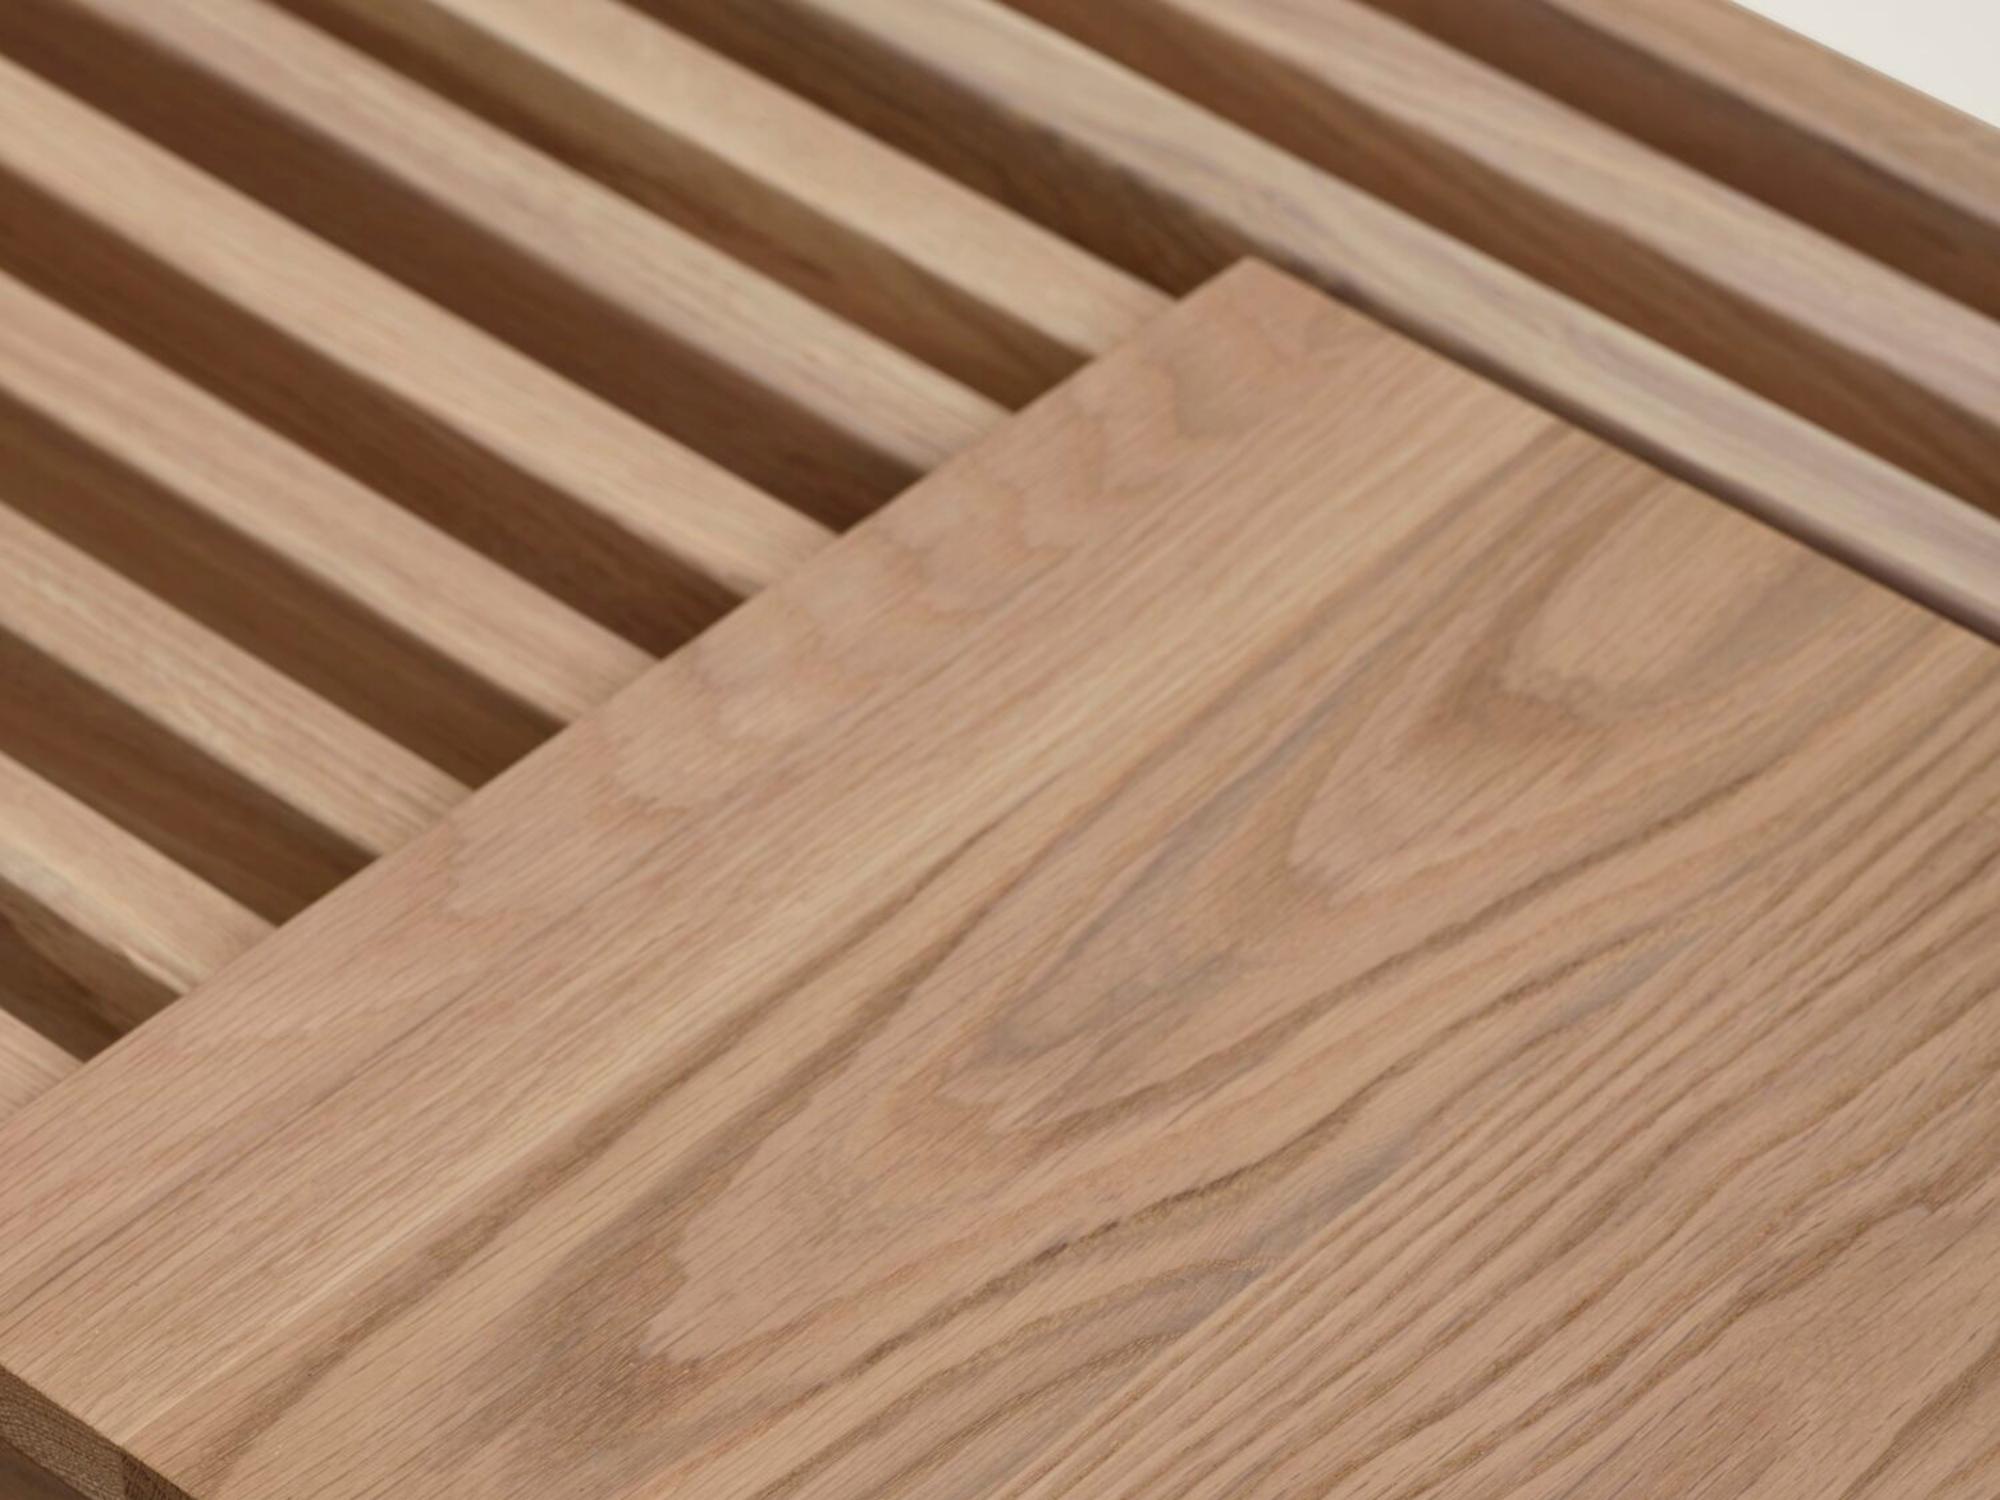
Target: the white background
pixel 1950 48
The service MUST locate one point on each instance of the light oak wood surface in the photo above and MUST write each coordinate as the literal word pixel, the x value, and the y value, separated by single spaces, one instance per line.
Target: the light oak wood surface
pixel 589 284
pixel 1214 884
pixel 30 1065
pixel 348 594
pixel 1695 1244
pixel 1851 345
pixel 1815 134
pixel 99 930
pixel 556 484
pixel 1172 192
pixel 983 295
pixel 222 763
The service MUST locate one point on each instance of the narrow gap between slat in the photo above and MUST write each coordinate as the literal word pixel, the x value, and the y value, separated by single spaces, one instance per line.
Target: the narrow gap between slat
pixel 860 63
pixel 197 810
pixel 570 273
pixel 1781 309
pixel 572 494
pixel 99 931
pixel 1154 183
pixel 349 595
pixel 1816 135
pixel 792 190
pixel 188 742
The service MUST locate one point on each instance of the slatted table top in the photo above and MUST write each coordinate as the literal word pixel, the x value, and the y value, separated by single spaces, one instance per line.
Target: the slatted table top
pixel 1184 879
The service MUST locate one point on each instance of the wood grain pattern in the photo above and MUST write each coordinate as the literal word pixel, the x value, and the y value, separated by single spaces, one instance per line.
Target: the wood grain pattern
pixel 225 765
pixel 1703 1245
pixel 1816 135
pixel 101 931
pixel 347 594
pixel 639 311
pixel 1160 186
pixel 796 192
pixel 937 998
pixel 1857 348
pixel 559 486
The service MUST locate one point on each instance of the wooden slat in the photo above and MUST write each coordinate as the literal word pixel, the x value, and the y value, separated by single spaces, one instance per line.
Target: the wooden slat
pixel 941 991
pixel 1816 135
pixel 349 595
pixel 88 911
pixel 645 314
pixel 1847 343
pixel 223 764
pixel 556 484
pixel 1155 183
pixel 981 294
pixel 30 1065
pixel 102 930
